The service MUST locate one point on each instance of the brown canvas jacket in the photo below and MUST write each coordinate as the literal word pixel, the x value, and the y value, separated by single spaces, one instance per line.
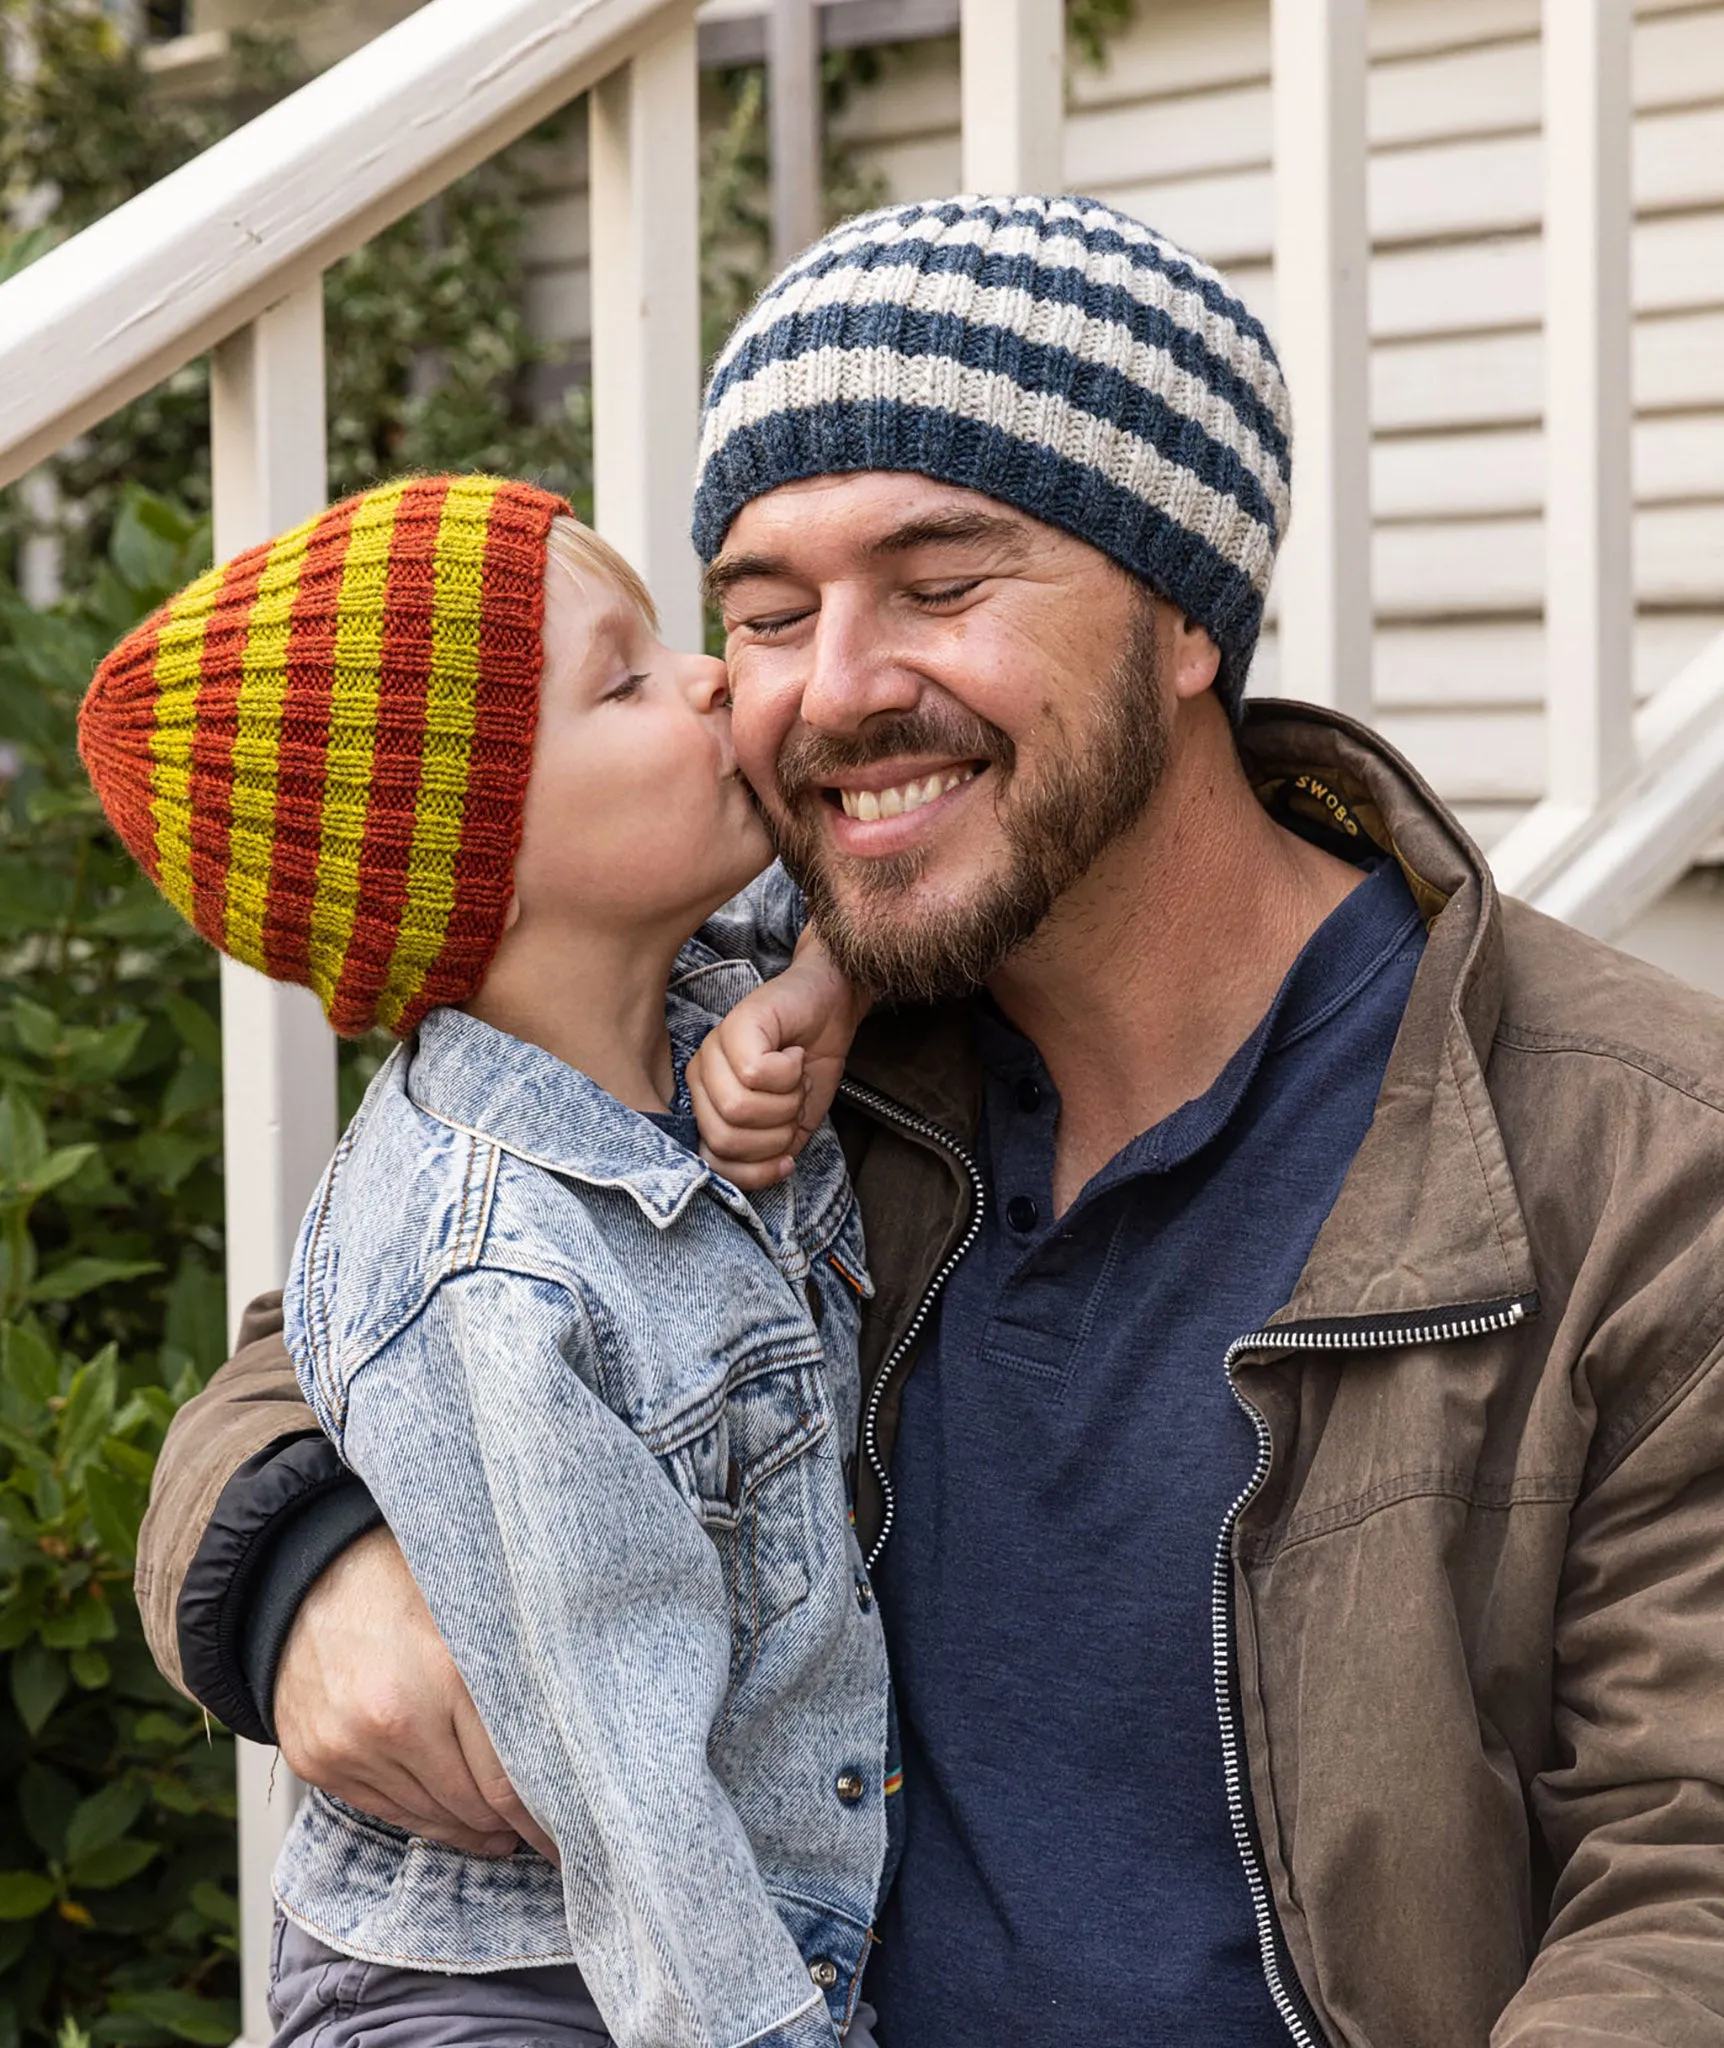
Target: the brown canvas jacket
pixel 1473 1614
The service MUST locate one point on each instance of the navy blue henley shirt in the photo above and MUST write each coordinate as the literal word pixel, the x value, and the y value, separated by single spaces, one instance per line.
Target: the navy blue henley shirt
pixel 1068 1450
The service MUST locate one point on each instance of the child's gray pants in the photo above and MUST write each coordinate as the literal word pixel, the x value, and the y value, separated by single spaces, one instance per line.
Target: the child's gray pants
pixel 319 1999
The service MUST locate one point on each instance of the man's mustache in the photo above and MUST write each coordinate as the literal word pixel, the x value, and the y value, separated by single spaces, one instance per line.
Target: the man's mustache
pixel 809 761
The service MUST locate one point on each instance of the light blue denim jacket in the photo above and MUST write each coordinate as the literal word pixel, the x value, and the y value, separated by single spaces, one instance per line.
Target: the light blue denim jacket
pixel 605 1401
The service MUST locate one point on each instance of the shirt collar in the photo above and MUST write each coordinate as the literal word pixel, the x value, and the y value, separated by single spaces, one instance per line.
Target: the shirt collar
pixel 1348 950
pixel 476 1078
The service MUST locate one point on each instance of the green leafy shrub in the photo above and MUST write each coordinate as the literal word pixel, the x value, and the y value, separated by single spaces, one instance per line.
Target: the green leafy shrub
pixel 117 1913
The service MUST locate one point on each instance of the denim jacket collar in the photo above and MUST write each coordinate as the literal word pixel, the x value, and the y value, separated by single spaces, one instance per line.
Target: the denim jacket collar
pixel 473 1077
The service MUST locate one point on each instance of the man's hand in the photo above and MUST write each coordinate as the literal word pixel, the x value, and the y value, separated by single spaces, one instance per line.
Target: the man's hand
pixel 369 1707
pixel 767 1072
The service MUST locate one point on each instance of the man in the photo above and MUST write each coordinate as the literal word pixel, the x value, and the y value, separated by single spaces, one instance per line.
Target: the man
pixel 1293 1452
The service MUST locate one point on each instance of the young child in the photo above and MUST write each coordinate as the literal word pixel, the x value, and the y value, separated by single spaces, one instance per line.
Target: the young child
pixel 426 755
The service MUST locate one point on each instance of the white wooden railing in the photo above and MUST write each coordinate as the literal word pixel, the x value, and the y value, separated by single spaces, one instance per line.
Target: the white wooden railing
pixel 228 255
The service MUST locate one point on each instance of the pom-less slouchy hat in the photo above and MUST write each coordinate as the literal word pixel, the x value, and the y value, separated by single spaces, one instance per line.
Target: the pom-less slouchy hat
pixel 1050 353
pixel 319 752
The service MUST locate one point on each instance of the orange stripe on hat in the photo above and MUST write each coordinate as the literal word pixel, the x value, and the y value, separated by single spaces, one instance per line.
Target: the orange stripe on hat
pixel 506 716
pixel 221 672
pixel 404 668
pixel 355 684
pixel 303 742
pixel 176 678
pixel 451 713
pixel 256 752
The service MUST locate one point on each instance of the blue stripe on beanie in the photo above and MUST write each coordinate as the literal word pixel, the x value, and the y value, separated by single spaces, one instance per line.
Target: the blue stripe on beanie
pixel 1050 353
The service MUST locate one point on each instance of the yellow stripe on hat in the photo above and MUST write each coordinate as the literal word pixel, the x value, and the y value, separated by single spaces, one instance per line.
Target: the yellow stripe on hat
pixel 451 695
pixel 353 695
pixel 178 676
pixel 257 743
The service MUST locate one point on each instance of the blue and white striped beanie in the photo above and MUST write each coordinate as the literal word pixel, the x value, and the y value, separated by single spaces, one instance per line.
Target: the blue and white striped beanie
pixel 1051 353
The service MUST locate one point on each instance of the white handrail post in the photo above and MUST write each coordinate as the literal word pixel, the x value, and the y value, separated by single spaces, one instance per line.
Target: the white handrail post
pixel 1322 258
pixel 1012 73
pixel 793 98
pixel 267 449
pixel 645 187
pixel 1588 414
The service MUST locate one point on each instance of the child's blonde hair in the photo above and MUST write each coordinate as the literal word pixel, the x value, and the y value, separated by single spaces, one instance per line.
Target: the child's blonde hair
pixel 583 553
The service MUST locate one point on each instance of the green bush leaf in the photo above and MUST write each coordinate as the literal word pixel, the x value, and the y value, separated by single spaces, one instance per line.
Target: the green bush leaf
pixel 47 1799
pixel 81 1275
pixel 23 1140
pixel 196 1027
pixel 23 1894
pixel 103 1818
pixel 208 2021
pixel 215 1904
pixel 39 1029
pixel 90 1669
pixel 89 1408
pixel 38 1685
pixel 95 1056
pixel 104 1868
pixel 28 1363
pixel 115 1504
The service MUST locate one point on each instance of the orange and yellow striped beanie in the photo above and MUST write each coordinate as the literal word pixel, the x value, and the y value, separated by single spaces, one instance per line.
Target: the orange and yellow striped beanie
pixel 319 752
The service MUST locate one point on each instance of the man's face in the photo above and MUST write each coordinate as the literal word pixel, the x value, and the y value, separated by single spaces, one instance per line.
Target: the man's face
pixel 947 709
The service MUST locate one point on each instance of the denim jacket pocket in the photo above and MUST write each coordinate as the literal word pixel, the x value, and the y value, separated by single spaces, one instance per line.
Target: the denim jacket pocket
pixel 739 1462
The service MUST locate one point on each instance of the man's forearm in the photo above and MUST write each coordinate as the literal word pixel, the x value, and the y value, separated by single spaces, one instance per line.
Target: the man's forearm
pixel 248 1506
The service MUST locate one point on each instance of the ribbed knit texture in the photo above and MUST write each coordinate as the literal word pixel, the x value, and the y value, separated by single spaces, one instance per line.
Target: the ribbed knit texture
pixel 1051 353
pixel 319 752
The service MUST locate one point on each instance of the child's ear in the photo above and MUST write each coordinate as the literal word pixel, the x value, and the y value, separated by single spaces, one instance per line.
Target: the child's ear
pixel 512 916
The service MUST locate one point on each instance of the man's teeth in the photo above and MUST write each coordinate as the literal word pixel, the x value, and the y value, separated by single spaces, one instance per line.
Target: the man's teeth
pixel 869 804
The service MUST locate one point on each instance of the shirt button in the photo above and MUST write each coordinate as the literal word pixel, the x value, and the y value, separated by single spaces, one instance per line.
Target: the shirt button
pixel 824 1972
pixel 1022 1214
pixel 864 1595
pixel 816 1300
pixel 850 1787
pixel 1029 1096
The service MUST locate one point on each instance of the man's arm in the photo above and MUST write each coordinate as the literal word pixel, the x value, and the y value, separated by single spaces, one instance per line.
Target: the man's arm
pixel 265 1598
pixel 1632 1804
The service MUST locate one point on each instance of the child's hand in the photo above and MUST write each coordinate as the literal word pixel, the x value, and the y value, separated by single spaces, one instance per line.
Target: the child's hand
pixel 766 1073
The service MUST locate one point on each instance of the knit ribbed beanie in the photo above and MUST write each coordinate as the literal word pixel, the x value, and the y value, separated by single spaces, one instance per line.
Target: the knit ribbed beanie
pixel 1051 353
pixel 319 752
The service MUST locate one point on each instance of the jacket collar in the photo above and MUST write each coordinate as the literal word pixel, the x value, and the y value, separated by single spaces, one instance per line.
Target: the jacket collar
pixel 1428 1216
pixel 476 1078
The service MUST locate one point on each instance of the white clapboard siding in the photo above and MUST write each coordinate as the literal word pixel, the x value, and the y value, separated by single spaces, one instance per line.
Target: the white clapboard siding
pixel 1678 457
pixel 1496 662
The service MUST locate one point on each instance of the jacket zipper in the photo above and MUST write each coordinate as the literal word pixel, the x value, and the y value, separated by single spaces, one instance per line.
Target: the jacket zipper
pixel 1444 1326
pixel 889 1111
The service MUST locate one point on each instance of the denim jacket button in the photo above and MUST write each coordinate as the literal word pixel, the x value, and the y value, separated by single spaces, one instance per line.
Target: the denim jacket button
pixel 864 1595
pixel 816 1300
pixel 850 1787
pixel 824 1972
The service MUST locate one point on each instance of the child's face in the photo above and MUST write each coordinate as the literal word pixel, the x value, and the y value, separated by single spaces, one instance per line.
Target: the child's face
pixel 635 816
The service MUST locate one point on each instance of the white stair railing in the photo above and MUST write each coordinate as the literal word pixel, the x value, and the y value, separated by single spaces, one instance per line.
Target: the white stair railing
pixel 228 254
pixel 1630 799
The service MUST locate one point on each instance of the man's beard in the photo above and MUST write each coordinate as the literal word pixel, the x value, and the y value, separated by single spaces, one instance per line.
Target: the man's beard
pixel 1083 800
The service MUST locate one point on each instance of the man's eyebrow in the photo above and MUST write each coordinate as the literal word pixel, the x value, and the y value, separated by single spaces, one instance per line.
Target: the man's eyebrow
pixel 729 570
pixel 936 529
pixel 949 527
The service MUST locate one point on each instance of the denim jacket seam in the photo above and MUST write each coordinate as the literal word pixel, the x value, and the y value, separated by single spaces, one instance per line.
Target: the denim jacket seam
pixel 816 2003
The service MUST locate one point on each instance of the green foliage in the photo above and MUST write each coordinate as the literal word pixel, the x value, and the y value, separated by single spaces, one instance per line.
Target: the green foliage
pixel 117 1912
pixel 429 354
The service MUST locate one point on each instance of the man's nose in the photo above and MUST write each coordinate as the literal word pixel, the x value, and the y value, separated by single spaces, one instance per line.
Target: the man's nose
pixel 854 673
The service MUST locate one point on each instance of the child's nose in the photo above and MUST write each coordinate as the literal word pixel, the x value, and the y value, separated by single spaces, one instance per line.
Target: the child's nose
pixel 709 684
